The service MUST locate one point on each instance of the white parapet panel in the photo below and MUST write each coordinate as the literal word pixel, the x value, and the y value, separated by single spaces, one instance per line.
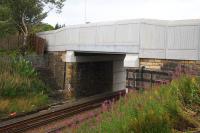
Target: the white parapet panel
pixel 183 42
pixel 131 60
pixel 117 36
pixel 88 35
pixel 152 41
pixel 161 39
pixel 61 37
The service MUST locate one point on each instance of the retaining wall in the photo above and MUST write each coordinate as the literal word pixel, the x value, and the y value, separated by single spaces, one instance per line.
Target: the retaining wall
pixel 164 64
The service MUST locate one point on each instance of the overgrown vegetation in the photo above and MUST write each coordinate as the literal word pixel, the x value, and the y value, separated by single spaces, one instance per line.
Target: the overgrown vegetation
pixel 164 109
pixel 20 88
pixel 25 14
pixel 6 26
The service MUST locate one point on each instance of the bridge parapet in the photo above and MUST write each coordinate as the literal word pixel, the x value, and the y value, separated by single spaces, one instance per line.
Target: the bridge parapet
pixel 148 38
pixel 118 37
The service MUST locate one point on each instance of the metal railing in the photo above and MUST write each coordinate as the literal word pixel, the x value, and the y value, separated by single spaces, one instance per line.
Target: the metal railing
pixel 144 78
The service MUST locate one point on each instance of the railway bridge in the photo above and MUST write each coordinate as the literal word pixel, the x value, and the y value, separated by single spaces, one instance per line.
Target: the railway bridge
pixel 101 52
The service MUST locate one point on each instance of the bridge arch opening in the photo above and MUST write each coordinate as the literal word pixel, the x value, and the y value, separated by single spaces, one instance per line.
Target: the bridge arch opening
pixel 95 73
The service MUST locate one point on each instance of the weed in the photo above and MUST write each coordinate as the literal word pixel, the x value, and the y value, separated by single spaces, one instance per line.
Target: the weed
pixel 160 109
pixel 20 88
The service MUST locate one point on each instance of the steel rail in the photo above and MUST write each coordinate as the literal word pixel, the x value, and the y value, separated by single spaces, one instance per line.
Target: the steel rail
pixel 22 124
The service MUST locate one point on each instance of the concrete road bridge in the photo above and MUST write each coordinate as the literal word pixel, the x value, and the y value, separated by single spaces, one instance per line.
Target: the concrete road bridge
pixel 125 43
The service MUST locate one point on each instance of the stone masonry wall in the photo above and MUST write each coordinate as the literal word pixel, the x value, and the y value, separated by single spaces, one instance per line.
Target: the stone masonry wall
pixel 57 67
pixel 71 72
pixel 162 64
pixel 171 66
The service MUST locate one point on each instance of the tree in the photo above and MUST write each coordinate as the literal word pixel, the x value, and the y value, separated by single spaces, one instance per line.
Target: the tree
pixel 6 26
pixel 27 13
pixel 41 27
pixel 58 26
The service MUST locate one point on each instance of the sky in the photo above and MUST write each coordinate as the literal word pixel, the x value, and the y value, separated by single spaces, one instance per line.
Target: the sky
pixel 74 11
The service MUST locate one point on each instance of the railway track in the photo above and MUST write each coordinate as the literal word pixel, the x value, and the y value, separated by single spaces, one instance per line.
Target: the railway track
pixel 22 124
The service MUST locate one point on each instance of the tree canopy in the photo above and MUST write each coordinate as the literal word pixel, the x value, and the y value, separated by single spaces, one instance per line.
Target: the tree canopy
pixel 41 27
pixel 6 26
pixel 25 14
pixel 58 26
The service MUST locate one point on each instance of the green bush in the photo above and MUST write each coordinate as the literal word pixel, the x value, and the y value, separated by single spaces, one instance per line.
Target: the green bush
pixel 23 67
pixel 160 110
pixel 12 53
pixel 188 89
pixel 19 78
pixel 20 87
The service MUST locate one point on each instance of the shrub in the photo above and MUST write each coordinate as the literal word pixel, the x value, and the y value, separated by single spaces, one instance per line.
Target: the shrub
pixel 13 53
pixel 23 67
pixel 188 90
pixel 158 110
pixel 20 88
pixel 19 78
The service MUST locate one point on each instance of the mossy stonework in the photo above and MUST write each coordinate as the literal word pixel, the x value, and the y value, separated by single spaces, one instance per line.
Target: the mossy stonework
pixel 56 65
pixel 63 72
pixel 70 79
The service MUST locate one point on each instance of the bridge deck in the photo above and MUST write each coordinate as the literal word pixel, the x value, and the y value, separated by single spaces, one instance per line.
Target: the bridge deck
pixel 147 38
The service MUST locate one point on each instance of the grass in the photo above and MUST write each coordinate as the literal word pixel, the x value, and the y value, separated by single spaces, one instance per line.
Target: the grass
pixel 163 109
pixel 9 52
pixel 22 104
pixel 20 88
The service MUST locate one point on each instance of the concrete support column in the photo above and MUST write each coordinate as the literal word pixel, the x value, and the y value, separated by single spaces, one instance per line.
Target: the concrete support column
pixel 131 61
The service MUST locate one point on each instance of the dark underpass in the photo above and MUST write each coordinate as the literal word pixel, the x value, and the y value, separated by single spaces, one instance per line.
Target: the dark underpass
pixel 93 78
pixel 97 73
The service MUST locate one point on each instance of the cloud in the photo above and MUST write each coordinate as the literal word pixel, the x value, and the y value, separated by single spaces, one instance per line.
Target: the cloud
pixel 106 10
